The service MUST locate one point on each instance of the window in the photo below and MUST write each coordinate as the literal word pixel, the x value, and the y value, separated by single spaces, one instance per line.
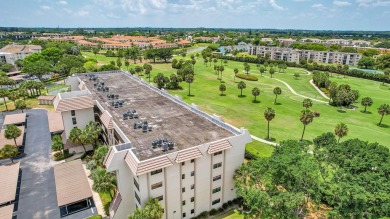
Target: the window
pixel 192 211
pixel 156 172
pixel 183 202
pixel 156 185
pixel 160 198
pixel 184 163
pixel 215 178
pixel 184 215
pixel 183 176
pixel 216 190
pixel 72 113
pixel 193 160
pixel 192 173
pixel 216 201
pixel 74 121
pixel 137 197
pixel 192 199
pixel 183 189
pixel 136 183
pixel 217 165
pixel 217 153
pixel 192 186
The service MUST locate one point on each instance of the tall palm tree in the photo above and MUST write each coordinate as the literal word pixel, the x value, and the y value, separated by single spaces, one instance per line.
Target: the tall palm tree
pixel 306 118
pixel 269 114
pixel 341 130
pixel 271 71
pixel 222 88
pixel 189 78
pixel 221 69
pixel 383 110
pixel 4 93
pixel 277 91
pixel 255 92
pixel 241 85
pixel 235 73
pixel 77 136
pixel 307 103
pixel 366 101
pixel 103 181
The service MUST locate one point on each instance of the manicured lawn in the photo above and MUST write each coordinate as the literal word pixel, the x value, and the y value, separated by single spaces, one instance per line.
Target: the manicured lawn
pixel 242 112
pixel 106 199
pixel 95 217
pixel 260 149
pixel 30 102
pixel 232 214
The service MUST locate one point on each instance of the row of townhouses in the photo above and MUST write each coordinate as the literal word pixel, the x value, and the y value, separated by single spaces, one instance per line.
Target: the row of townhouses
pixel 160 147
pixel 294 55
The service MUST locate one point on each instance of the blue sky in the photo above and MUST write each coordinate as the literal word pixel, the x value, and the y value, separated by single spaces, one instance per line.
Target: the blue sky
pixel 279 14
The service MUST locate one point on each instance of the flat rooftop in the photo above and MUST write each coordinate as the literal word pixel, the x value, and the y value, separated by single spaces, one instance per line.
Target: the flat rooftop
pixel 169 119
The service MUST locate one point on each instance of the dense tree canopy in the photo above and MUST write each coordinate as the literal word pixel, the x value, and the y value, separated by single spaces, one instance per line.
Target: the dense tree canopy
pixel 351 178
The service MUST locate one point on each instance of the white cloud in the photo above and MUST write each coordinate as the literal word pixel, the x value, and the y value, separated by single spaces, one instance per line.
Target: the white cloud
pixel 275 5
pixel 113 16
pixel 62 2
pixel 81 13
pixel 319 6
pixel 341 3
pixel 368 3
pixel 45 7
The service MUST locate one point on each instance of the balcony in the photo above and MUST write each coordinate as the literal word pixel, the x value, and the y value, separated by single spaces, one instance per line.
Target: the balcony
pixel 115 204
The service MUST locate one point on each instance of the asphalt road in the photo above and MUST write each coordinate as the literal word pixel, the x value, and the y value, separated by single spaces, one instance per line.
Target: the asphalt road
pixel 37 198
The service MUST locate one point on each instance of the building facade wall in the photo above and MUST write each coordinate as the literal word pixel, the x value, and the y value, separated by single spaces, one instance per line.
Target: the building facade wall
pixel 83 117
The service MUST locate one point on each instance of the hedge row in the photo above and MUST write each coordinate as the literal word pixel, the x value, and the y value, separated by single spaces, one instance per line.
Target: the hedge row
pixel 354 72
pixel 247 77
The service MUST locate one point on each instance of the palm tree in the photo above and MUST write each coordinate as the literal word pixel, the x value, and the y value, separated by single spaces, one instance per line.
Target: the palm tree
pixel 247 68
pixel 153 209
pixel 103 181
pixel 341 130
pixel 193 62
pixel 306 118
pixel 261 69
pixel 269 114
pixel 255 93
pixel 127 63
pixel 366 101
pixel 13 95
pixel 23 93
pixel 91 132
pixel 383 110
pixel 221 69
pixel 76 136
pixel 12 132
pixel 189 78
pixel 3 94
pixel 277 91
pixel 307 103
pixel 215 61
pixel 266 65
pixel 222 88
pixel 241 85
pixel 9 151
pixel 235 73
pixel 271 72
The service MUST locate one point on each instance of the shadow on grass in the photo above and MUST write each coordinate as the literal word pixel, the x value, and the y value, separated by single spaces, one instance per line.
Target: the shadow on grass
pixel 384 126
pixel 270 139
pixel 222 95
pixel 306 142
pixel 191 95
pixel 278 104
pixel 341 111
pixel 256 101
pixel 367 112
pixel 241 96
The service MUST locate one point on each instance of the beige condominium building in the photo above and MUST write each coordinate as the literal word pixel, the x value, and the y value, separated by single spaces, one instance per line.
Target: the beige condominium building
pixel 160 147
pixel 295 55
pixel 13 52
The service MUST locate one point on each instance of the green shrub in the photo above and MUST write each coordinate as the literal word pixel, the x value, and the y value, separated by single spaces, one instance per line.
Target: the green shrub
pixel 225 206
pixel 230 203
pixel 204 214
pixel 247 77
pixel 249 156
pixel 221 209
pixel 213 211
pixel 58 156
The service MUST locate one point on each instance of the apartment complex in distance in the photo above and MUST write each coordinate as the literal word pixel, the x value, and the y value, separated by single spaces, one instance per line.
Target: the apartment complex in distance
pixel 294 55
pixel 160 147
pixel 13 52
